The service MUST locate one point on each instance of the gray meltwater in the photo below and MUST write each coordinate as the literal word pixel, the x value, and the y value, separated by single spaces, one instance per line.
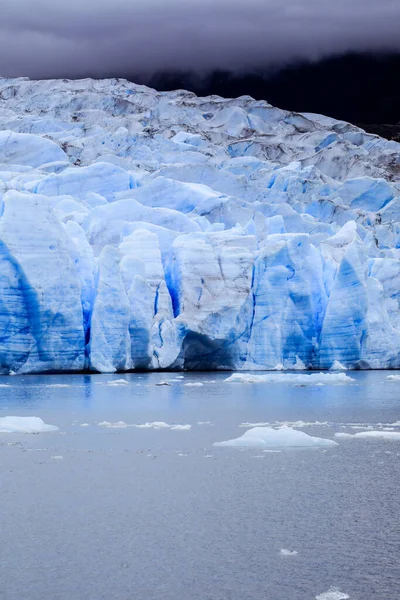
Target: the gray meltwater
pixel 105 509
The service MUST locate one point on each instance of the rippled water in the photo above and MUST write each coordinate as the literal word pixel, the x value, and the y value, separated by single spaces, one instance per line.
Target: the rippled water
pixel 97 512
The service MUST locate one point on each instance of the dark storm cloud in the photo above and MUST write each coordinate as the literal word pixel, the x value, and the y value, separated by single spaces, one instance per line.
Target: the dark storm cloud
pixel 46 38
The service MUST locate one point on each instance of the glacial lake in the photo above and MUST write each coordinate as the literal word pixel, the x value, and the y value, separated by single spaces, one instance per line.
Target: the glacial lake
pixel 107 510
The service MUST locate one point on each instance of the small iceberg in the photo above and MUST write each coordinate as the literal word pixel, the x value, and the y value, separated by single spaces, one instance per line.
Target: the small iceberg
pixel 383 435
pixel 58 385
pixel 286 552
pixel 117 425
pixel 154 425
pixel 304 378
pixel 25 425
pixel 332 594
pixel 284 437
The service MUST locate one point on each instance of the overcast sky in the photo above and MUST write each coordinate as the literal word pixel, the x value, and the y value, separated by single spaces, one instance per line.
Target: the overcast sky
pixel 57 38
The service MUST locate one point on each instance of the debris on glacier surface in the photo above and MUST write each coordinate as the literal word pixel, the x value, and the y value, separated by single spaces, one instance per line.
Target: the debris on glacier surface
pixel 25 425
pixel 284 437
pixel 292 378
pixel 158 230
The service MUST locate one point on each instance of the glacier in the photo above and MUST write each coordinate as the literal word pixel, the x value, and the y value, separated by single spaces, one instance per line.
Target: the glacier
pixel 159 230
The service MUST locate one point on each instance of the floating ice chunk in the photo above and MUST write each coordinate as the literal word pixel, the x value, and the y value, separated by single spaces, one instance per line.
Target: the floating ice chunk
pixel 248 425
pixel 84 425
pixel 203 422
pixel 267 437
pixel 286 552
pixel 301 424
pixel 118 382
pixel 117 425
pixel 163 383
pixel 196 384
pixel 162 425
pixel 293 424
pixel 308 379
pixel 154 425
pixel 57 457
pixel 332 594
pixel 386 435
pixel 393 377
pixel 58 385
pixel 380 434
pixel 25 425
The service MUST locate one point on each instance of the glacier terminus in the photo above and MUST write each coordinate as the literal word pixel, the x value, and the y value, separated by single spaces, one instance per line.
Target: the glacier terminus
pixel 158 230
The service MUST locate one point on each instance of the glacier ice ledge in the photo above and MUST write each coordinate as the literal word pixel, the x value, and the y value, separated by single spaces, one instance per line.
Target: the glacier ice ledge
pixel 148 230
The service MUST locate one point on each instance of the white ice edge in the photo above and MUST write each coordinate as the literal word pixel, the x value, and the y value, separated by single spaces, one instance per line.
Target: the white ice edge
pixel 13 424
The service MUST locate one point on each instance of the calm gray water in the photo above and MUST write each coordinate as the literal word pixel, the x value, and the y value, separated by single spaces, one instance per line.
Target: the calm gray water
pixel 161 514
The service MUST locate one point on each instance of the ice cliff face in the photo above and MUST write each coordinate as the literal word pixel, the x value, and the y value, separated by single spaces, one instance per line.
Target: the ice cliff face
pixel 146 230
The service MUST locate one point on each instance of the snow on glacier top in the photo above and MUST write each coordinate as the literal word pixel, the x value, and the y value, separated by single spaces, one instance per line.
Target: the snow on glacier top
pixel 145 229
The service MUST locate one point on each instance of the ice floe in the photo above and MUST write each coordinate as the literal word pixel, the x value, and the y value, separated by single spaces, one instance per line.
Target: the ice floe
pixel 286 552
pixel 25 425
pixel 292 378
pixel 117 425
pixel 148 425
pixel 284 437
pixel 376 434
pixel 332 594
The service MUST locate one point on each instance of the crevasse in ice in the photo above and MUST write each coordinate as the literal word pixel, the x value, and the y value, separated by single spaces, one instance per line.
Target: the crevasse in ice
pixel 147 230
